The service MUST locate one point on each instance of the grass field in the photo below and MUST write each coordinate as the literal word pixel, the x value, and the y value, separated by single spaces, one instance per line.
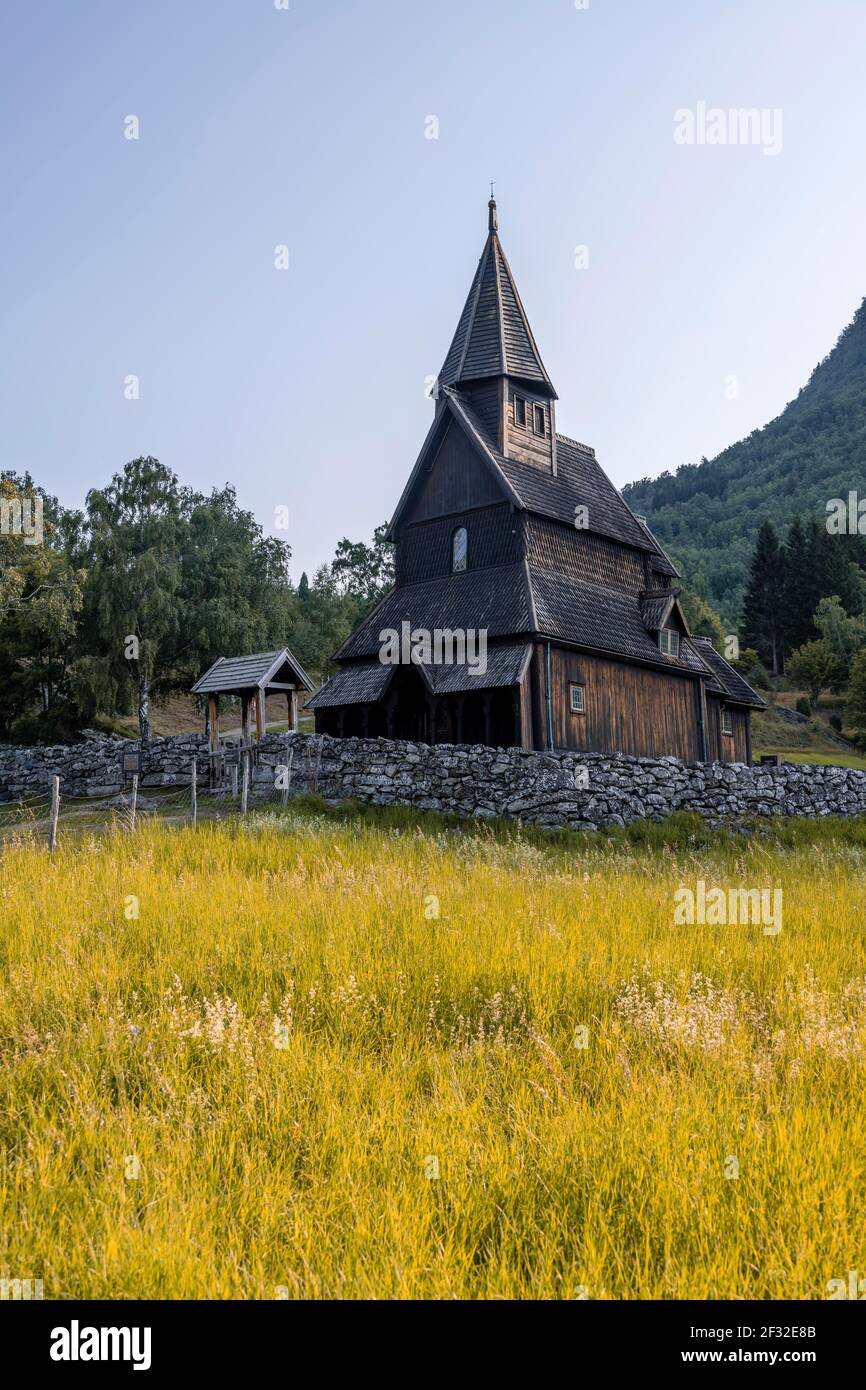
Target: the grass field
pixel 335 1056
pixel 831 759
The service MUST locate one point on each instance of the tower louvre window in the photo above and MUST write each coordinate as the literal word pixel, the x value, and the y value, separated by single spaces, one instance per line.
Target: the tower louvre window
pixel 459 548
pixel 520 412
pixel 538 419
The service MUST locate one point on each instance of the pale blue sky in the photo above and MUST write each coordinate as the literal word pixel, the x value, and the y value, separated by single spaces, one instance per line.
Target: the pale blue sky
pixel 306 127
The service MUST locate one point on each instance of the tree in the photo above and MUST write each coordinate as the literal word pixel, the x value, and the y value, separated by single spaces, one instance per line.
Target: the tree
pixel 236 593
pixel 40 599
pixel 856 704
pixel 325 617
pixel 844 634
pixel 813 665
pixel 365 572
pixel 703 620
pixel 799 597
pixel 133 598
pixel 761 623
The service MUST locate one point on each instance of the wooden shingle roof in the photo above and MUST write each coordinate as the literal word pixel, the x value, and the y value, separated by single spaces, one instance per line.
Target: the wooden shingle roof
pixel 730 680
pixel 361 682
pixel 493 336
pixel 580 481
pixel 496 599
pixel 252 672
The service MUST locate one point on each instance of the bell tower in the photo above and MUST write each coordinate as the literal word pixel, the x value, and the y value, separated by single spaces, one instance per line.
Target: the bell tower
pixel 494 363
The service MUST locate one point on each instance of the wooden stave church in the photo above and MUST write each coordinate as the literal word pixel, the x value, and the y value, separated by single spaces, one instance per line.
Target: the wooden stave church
pixel 588 645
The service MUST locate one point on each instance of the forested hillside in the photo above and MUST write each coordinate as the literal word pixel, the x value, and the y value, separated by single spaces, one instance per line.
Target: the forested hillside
pixel 708 514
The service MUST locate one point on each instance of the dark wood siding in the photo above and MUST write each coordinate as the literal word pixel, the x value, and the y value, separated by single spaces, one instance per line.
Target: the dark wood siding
pixel 523 443
pixel 629 709
pixel 424 549
pixel 714 730
pixel 727 748
pixel 458 479
pixel 485 398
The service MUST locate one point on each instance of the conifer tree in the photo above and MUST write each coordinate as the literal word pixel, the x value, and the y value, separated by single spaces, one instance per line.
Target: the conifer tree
pixel 762 616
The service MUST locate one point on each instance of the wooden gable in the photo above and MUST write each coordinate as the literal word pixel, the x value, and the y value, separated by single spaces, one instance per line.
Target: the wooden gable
pixel 456 480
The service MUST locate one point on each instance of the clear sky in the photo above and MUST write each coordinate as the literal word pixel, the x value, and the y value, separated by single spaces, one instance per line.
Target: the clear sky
pixel 307 127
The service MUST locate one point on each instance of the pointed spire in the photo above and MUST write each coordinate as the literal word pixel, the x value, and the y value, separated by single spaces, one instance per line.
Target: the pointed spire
pixel 493 336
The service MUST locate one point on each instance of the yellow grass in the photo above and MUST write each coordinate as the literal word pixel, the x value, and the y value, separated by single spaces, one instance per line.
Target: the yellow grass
pixel 248 1091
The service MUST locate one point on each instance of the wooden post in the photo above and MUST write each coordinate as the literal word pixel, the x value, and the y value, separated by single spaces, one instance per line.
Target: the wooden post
pixel 55 812
pixel 293 709
pixel 245 720
pixel 194 797
pixel 260 719
pixel 214 731
pixel 234 781
pixel 245 785
pixel 134 800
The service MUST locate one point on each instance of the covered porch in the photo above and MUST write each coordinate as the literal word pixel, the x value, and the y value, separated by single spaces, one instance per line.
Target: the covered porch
pixel 429 703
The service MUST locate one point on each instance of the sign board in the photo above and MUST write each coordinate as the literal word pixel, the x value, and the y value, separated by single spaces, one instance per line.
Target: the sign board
pixel 131 765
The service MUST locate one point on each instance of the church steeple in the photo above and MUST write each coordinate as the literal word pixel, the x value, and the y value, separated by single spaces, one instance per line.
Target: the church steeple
pixel 493 337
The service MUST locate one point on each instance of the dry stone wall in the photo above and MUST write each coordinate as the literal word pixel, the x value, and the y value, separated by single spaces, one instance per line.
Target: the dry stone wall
pixel 551 789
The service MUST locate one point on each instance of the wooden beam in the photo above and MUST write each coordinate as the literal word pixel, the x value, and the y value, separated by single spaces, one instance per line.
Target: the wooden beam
pixel 260 723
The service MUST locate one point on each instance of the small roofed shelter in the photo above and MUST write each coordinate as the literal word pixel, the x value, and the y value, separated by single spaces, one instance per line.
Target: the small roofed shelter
pixel 252 679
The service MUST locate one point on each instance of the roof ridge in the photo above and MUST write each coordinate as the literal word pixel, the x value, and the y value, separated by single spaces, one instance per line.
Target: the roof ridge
pixel 578 444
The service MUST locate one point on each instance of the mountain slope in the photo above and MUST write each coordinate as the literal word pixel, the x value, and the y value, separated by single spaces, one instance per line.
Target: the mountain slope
pixel 707 515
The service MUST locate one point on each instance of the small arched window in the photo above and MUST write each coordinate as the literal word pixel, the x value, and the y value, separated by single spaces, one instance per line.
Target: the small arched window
pixel 459 545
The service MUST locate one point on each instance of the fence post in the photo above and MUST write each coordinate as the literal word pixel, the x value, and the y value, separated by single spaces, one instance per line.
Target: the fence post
pixel 194 797
pixel 55 812
pixel 134 800
pixel 234 781
pixel 245 786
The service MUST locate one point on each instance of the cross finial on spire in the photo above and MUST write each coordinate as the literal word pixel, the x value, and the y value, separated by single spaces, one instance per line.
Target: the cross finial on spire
pixel 492 219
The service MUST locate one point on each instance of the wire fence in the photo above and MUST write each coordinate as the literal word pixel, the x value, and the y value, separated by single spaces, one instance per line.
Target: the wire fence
pixel 237 789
